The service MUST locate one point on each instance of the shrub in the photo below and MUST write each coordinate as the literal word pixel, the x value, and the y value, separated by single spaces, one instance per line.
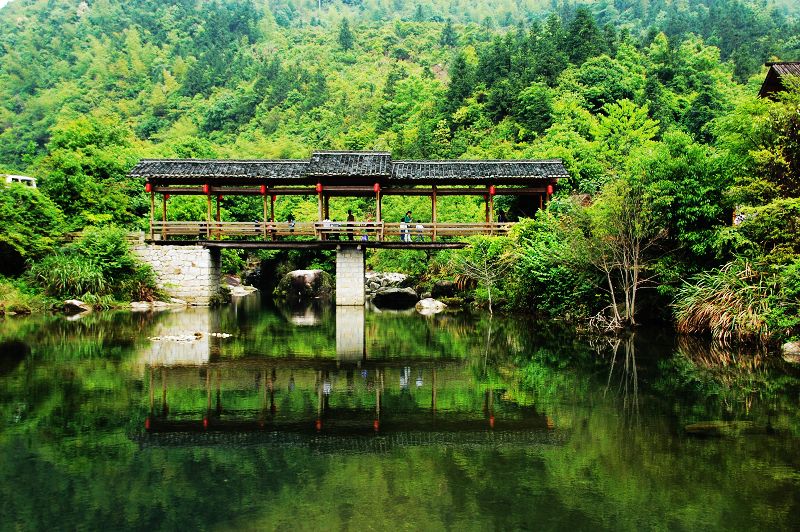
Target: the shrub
pixel 31 224
pixel 68 274
pixel 552 277
pixel 732 303
pixel 99 265
pixel 17 297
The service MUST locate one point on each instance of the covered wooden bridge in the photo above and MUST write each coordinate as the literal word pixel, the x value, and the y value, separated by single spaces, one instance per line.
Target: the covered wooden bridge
pixel 330 174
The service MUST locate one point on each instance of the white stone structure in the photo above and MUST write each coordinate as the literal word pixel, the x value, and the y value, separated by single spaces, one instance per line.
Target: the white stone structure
pixel 350 276
pixel 190 273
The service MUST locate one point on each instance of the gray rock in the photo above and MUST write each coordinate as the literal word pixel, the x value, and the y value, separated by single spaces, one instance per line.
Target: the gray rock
pixel 242 290
pixel 430 306
pixel 395 298
pixel 76 306
pixel 791 352
pixel 305 284
pixel 386 279
pixel 444 289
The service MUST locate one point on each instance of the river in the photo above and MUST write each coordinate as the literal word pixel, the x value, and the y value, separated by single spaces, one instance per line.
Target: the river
pixel 309 419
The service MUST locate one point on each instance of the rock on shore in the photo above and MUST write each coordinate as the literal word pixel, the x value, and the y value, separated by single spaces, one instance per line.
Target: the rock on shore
pixel 305 284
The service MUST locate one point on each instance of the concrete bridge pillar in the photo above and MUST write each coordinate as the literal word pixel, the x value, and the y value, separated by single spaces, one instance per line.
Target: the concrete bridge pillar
pixel 190 273
pixel 350 275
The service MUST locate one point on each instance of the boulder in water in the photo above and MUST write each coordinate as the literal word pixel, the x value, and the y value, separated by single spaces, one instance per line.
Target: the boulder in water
pixel 76 306
pixel 791 352
pixel 305 284
pixel 430 306
pixel 395 298
pixel 443 289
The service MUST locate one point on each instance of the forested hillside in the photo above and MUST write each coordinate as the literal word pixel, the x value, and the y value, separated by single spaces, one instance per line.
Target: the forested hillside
pixel 650 100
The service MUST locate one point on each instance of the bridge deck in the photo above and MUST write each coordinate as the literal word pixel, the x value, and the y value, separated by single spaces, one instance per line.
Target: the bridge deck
pixel 308 244
pixel 324 235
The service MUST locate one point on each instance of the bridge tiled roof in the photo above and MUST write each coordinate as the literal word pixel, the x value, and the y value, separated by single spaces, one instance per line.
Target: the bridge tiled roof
pixel 340 165
pixel 433 170
pixel 207 168
pixel 349 163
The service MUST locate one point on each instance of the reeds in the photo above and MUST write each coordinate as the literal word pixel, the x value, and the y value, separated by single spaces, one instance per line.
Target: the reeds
pixel 68 275
pixel 731 303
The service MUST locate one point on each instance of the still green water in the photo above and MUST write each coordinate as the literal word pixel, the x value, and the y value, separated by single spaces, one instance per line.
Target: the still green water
pixel 309 419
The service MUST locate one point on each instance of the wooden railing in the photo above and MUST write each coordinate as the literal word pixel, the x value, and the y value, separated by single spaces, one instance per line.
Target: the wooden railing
pixel 327 230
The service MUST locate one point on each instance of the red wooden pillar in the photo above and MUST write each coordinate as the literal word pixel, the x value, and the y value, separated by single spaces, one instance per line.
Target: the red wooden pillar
pixel 433 212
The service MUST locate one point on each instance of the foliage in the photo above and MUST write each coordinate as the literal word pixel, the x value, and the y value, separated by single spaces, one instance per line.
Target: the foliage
pixel 486 260
pixel 99 264
pixel 624 233
pixel 31 223
pixel 553 278
pixel 18 297
pixel 657 94
pixel 68 274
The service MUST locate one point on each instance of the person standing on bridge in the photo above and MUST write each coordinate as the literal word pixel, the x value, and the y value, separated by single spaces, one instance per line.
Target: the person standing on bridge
pixel 405 233
pixel 350 219
pixel 501 217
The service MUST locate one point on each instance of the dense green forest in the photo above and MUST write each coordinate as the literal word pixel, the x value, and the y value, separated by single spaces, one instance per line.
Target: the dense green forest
pixel 652 105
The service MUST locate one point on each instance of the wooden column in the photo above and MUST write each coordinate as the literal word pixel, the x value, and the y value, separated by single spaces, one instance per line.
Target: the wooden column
pixel 378 218
pixel 272 214
pixel 486 202
pixel 433 212
pixel 491 213
pixel 319 206
pixel 152 212
pixel 264 202
pixel 327 207
pixel 164 216
pixel 541 202
pixel 208 216
pixel 219 219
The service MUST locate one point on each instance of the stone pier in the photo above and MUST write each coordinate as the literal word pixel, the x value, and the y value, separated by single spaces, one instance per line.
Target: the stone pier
pixel 350 276
pixel 190 273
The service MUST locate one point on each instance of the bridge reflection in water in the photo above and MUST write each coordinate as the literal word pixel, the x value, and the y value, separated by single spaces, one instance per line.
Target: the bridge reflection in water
pixel 346 398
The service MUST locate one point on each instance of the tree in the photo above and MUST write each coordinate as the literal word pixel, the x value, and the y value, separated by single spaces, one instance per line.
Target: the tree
pixel 584 39
pixel 624 128
pixel 449 36
pixel 345 38
pixel 461 80
pixel 624 231
pixel 534 109
pixel 487 260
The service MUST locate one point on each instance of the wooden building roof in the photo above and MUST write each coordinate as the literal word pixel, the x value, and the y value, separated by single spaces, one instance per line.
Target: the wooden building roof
pixel 348 167
pixel 773 83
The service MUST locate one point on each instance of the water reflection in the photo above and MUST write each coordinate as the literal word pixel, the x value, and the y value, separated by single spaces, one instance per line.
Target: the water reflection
pixel 623 376
pixel 444 422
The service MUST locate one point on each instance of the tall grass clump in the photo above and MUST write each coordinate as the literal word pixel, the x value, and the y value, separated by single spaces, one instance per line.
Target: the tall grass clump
pixel 99 268
pixel 68 274
pixel 731 303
